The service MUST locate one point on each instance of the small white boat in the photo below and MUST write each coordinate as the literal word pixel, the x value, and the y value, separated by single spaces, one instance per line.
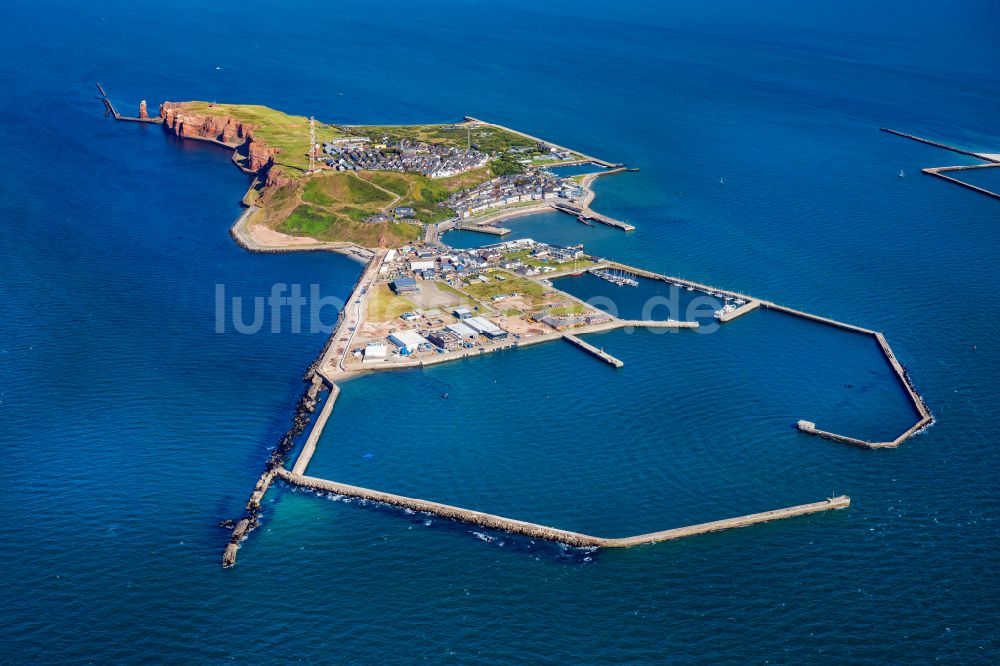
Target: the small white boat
pixel 902 174
pixel 724 310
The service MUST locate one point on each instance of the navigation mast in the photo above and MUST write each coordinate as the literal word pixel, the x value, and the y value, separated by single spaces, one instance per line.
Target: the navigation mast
pixel 312 144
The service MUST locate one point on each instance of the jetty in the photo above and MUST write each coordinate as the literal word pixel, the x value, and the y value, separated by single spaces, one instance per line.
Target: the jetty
pixel 482 228
pixel 586 213
pixel 746 308
pixel 599 353
pixel 536 531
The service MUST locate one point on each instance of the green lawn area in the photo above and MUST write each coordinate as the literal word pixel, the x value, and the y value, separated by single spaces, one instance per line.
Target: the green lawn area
pixel 487 138
pixel 341 225
pixel 523 256
pixel 422 193
pixel 511 284
pixel 575 308
pixel 384 305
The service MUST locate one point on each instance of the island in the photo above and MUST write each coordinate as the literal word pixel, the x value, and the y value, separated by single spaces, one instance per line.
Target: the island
pixel 385 194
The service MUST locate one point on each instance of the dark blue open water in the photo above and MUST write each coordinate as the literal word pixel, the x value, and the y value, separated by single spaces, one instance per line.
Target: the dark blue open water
pixel 131 427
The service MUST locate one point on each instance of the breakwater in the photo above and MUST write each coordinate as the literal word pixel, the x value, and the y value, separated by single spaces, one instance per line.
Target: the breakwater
pixel 536 531
pixel 938 144
pixel 939 173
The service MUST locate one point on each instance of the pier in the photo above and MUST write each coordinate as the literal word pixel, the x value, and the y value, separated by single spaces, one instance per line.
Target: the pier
pixel 482 228
pixel 586 213
pixel 599 353
pixel 536 531
pixel 740 311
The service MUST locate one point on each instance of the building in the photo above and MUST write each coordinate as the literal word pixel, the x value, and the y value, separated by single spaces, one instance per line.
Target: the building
pixel 485 327
pixel 404 284
pixel 375 352
pixel 407 341
pixel 462 313
pixel 421 265
pixel 441 339
pixel 462 331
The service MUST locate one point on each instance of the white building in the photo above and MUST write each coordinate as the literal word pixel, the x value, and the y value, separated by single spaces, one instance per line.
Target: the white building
pixel 407 341
pixel 375 352
pixel 461 330
pixel 422 265
pixel 485 327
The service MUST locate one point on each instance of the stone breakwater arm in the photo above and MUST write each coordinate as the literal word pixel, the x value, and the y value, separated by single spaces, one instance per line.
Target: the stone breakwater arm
pixel 536 531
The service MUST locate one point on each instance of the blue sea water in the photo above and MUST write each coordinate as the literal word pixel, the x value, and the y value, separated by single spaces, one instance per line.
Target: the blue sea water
pixel 131 427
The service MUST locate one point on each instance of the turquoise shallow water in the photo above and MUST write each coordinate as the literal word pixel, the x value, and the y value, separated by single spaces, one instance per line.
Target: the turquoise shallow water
pixel 131 427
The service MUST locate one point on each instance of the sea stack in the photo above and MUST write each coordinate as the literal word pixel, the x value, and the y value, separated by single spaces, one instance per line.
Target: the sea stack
pixel 142 110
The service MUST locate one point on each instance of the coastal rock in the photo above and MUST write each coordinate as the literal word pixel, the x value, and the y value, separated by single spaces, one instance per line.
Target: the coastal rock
pixel 178 118
pixel 259 154
pixel 142 110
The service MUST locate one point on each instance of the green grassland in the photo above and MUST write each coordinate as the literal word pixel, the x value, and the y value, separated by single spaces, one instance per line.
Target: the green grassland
pixel 534 292
pixel 384 305
pixel 423 194
pixel 565 310
pixel 289 134
pixel 331 206
pixel 525 257
pixel 487 138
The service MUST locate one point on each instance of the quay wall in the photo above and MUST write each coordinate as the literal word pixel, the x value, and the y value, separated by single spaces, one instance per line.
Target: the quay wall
pixel 536 531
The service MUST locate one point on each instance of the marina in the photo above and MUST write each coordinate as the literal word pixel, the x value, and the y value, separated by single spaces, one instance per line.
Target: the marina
pixel 618 277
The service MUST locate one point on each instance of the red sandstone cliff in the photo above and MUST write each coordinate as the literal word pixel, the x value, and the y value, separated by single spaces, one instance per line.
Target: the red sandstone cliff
pixel 178 118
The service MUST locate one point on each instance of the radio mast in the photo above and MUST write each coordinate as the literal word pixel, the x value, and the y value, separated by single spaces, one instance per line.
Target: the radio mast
pixel 312 144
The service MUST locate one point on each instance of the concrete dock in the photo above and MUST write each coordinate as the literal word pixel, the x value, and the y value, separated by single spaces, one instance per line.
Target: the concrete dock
pixel 482 228
pixel 587 213
pixel 740 311
pixel 599 353
pixel 536 531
